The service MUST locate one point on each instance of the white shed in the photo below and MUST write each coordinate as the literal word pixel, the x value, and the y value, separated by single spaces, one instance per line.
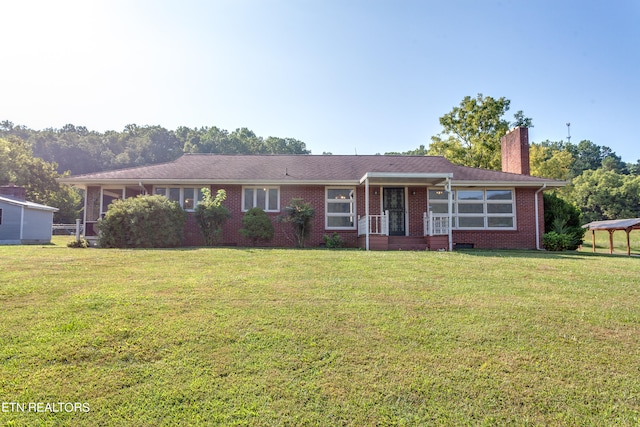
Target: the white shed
pixel 23 222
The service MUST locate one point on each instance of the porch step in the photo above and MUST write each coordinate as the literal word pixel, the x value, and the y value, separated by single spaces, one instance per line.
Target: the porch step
pixel 407 243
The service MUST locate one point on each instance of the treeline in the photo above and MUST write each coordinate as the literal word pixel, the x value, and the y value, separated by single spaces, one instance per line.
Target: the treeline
pixel 79 150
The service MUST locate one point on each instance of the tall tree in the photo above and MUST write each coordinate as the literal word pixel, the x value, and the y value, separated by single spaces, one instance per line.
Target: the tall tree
pixel 605 194
pixel 472 131
pixel 39 178
pixel 548 160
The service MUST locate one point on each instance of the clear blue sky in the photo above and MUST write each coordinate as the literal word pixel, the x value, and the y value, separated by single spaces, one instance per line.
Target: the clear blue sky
pixel 343 76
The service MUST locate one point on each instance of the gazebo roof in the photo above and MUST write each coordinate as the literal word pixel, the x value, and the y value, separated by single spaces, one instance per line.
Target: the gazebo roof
pixel 614 224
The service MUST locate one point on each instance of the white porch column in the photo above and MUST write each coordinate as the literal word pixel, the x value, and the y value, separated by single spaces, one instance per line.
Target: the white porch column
pixel 366 212
pixel 450 208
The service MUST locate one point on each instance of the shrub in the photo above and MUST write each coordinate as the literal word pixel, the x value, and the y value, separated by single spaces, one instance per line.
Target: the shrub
pixel 553 241
pixel 142 222
pixel 562 217
pixel 299 214
pixel 256 226
pixel 82 243
pixel 211 216
pixel 333 241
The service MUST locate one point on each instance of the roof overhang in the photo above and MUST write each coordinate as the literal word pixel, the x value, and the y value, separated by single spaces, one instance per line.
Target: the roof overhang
pixel 533 184
pixel 406 178
pixel 83 183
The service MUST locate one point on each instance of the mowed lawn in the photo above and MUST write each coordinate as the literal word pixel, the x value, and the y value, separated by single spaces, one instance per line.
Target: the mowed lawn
pixel 259 337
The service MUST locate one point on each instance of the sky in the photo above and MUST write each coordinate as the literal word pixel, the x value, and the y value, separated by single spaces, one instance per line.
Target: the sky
pixel 343 76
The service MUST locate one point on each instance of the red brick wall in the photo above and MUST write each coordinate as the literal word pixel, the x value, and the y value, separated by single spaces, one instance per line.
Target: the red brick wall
pixel 515 151
pixel 417 207
pixel 283 236
pixel 522 238
pixel 13 192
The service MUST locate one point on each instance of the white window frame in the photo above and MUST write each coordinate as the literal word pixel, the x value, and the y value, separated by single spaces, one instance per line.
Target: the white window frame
pixel 352 214
pixel 266 189
pixel 103 209
pixel 485 203
pixel 167 189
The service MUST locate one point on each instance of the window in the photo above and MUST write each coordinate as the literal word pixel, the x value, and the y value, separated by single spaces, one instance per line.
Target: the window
pixel 340 208
pixel 188 197
pixel 477 209
pixel 265 198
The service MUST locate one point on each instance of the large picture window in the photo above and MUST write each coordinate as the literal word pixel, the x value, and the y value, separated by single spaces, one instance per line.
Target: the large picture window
pixel 188 197
pixel 265 198
pixel 340 208
pixel 477 208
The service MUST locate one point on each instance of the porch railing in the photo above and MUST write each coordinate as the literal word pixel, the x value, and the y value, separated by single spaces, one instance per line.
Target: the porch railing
pixel 435 225
pixel 377 224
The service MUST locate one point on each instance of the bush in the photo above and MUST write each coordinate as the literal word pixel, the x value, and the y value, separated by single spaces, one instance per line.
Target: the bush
pixel 256 226
pixel 142 222
pixel 333 241
pixel 299 214
pixel 562 217
pixel 553 241
pixel 82 243
pixel 211 216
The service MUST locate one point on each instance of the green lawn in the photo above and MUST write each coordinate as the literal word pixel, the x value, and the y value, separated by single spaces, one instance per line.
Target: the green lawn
pixel 316 337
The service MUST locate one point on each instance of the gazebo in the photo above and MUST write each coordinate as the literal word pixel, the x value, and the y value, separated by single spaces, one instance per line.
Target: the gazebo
pixel 611 226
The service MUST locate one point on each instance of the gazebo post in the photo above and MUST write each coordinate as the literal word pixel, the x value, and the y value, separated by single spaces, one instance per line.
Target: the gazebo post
pixel 628 230
pixel 611 241
pixel 593 239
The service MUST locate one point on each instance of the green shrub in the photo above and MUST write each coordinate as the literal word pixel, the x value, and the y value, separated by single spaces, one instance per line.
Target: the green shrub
pixel 82 243
pixel 333 241
pixel 142 222
pixel 562 217
pixel 299 214
pixel 553 241
pixel 211 216
pixel 256 226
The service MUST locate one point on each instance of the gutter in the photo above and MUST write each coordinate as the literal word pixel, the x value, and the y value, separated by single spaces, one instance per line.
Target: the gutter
pixel 537 210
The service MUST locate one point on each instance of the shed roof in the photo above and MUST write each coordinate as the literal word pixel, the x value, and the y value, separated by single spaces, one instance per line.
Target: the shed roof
pixel 614 224
pixel 29 205
pixel 297 169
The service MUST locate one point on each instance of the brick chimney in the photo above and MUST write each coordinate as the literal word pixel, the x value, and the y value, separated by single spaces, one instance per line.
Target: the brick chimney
pixel 11 191
pixel 515 151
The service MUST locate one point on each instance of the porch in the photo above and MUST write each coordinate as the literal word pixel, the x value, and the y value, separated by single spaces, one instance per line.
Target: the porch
pixel 435 236
pixel 398 211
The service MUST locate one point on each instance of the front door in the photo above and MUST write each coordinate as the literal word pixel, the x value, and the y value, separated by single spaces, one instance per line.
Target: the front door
pixel 393 201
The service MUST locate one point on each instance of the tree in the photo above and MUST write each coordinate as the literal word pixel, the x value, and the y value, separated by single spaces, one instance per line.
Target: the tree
pixel 549 162
pixel 299 214
pixel 605 194
pixel 471 132
pixel 420 151
pixel 39 178
pixel 590 156
pixel 211 215
pixel 256 226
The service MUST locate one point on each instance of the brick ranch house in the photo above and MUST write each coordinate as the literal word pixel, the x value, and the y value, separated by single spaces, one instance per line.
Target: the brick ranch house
pixel 373 202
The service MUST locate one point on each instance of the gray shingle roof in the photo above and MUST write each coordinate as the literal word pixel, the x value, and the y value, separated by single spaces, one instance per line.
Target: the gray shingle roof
pixel 297 169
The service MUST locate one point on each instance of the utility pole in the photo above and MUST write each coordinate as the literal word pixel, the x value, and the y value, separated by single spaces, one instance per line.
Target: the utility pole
pixel 568 133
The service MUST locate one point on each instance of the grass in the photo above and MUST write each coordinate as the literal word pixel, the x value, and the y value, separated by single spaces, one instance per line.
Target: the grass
pixel 316 337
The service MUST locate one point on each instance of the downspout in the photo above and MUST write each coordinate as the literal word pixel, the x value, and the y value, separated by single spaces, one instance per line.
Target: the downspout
pixel 21 223
pixel 447 187
pixel 537 210
pixel 366 212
